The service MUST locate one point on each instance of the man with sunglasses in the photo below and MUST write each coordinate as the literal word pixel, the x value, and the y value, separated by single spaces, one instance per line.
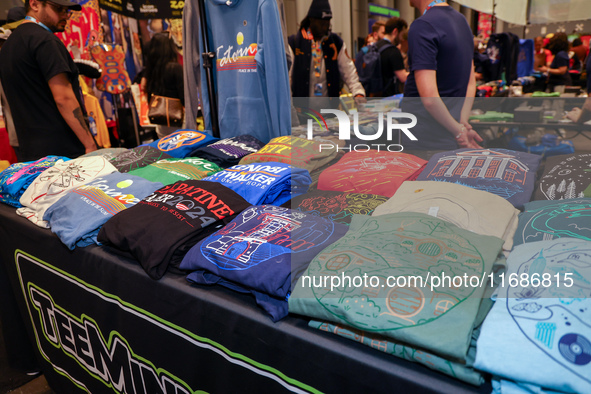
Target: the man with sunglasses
pixel 40 81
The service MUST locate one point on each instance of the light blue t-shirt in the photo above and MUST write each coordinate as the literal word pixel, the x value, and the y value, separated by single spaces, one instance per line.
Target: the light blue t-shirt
pixel 539 331
pixel 77 217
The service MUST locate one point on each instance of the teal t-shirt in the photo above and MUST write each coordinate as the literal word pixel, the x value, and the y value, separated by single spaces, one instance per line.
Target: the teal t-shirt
pixel 392 262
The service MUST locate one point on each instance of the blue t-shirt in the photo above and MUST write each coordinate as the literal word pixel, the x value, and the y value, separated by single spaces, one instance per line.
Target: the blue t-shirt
pixel 16 179
pixel 440 40
pixel 77 217
pixel 263 251
pixel 561 59
pixel 182 142
pixel 588 73
pixel 264 183
pixel 506 173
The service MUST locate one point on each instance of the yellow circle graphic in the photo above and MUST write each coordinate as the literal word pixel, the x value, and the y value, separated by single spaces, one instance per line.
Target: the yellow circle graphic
pixel 240 38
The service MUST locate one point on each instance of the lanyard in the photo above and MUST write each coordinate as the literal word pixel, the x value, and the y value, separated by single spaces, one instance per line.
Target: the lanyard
pixel 431 4
pixel 30 18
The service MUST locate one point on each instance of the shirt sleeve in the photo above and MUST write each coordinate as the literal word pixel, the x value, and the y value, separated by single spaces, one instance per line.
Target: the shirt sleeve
pixel 422 46
pixel 395 60
pixel 50 56
pixel 349 72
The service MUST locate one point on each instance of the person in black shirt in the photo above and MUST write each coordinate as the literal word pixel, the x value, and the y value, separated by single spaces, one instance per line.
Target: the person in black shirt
pixel 393 72
pixel 40 81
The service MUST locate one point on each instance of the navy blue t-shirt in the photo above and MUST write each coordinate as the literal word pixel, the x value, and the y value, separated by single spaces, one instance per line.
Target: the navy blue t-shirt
pixel 588 73
pixel 560 60
pixel 440 40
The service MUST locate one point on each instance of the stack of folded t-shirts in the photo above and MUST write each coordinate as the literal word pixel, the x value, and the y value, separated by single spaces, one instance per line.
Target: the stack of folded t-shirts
pixel 16 179
pixel 546 220
pixel 182 142
pixel 77 217
pixel 228 152
pixel 537 336
pixel 506 173
pixel 263 251
pixel 336 206
pixel 481 212
pixel 54 182
pixel 565 177
pixel 298 152
pixel 162 227
pixel 264 183
pixel 371 172
pixel 169 171
pixel 397 275
pixel 138 157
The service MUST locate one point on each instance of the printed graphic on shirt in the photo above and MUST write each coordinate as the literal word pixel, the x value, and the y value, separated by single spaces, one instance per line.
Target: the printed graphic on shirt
pixel 263 233
pixel 566 179
pixel 336 206
pixel 557 318
pixel 546 220
pixel 109 201
pixel 190 168
pixel 138 157
pixel 189 204
pixel 237 56
pixel 179 139
pixel 256 175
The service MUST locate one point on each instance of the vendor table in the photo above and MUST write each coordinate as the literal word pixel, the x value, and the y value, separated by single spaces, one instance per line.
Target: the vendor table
pixel 101 325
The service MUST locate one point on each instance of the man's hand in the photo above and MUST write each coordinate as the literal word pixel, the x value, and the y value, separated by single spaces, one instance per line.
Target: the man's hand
pixel 468 137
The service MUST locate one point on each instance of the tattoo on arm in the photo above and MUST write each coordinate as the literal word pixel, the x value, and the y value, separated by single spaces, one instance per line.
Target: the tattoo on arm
pixel 78 115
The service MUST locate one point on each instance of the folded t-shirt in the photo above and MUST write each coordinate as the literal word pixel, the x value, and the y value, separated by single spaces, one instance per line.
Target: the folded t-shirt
pixel 457 204
pixel 539 330
pixel 506 173
pixel 162 227
pixel 387 276
pixel 169 171
pixel 371 172
pixel 54 182
pixel 264 183
pixel 298 152
pixel 182 142
pixel 546 220
pixel 15 179
pixel 565 177
pixel 77 217
pixel 138 157
pixel 264 250
pixel 336 206
pixel 228 152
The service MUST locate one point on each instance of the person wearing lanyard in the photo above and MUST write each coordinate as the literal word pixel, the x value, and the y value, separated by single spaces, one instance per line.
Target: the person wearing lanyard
pixel 40 81
pixel 440 59
pixel 320 58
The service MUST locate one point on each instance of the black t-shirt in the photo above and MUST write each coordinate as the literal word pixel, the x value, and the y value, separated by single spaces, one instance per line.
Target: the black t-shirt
pixel 561 59
pixel 28 60
pixel 391 60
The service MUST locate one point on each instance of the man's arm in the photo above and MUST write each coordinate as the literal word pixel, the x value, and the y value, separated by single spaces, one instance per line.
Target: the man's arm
pixel 349 73
pixel 401 75
pixel 472 135
pixel 69 108
pixel 427 85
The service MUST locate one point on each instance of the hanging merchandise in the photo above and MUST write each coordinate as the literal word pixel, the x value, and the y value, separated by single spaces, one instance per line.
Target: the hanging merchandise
pixel 114 78
pixel 250 72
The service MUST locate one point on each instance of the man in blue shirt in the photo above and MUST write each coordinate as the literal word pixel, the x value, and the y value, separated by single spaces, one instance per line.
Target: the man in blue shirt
pixel 440 59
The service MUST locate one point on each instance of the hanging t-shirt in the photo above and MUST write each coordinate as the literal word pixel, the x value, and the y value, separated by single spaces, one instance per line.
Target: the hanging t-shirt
pixel 371 172
pixel 138 157
pixel 506 173
pixel 182 142
pixel 228 152
pixel 539 332
pixel 264 183
pixel 16 179
pixel 386 345
pixel 336 206
pixel 565 177
pixel 298 152
pixel 382 277
pixel 54 182
pixel 457 204
pixel 77 217
pixel 265 249
pixel 546 220
pixel 162 227
pixel 169 171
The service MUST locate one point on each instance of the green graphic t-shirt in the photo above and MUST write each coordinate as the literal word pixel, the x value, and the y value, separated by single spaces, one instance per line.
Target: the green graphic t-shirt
pixel 408 276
